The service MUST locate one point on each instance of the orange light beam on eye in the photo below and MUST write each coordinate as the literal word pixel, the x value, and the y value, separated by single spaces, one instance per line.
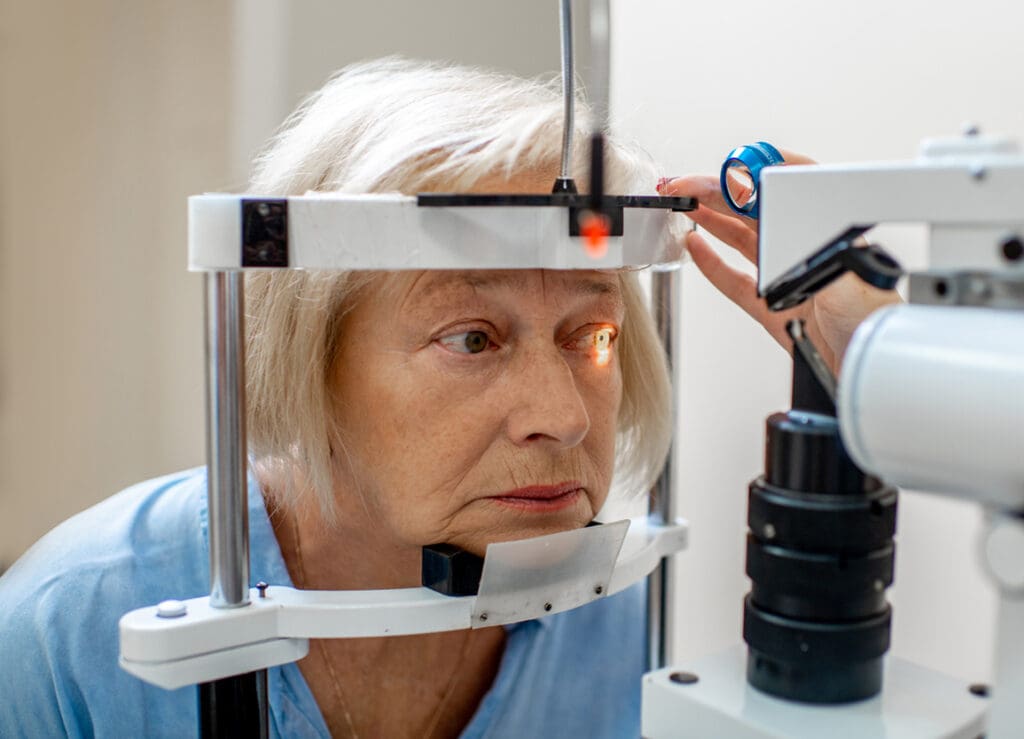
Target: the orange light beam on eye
pixel 594 228
pixel 602 348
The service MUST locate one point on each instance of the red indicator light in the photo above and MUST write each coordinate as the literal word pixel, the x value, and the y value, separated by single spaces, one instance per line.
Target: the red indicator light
pixel 594 228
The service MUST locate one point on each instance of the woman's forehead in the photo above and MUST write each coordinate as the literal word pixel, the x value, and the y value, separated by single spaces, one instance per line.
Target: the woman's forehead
pixel 431 284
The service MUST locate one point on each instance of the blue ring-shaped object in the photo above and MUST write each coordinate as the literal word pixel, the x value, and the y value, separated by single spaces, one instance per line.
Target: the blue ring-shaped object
pixel 754 157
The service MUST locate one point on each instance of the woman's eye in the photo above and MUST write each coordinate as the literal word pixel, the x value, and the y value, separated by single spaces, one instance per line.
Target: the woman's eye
pixel 603 339
pixel 597 343
pixel 468 342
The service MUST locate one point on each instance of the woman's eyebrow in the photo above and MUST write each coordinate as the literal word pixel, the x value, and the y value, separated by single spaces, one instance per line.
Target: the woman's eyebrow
pixel 515 281
pixel 471 280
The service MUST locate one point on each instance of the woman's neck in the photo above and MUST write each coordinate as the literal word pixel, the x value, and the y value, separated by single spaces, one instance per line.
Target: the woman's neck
pixel 363 686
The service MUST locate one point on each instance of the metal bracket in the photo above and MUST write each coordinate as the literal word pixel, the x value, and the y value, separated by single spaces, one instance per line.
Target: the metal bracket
pixel 200 643
pixel 265 233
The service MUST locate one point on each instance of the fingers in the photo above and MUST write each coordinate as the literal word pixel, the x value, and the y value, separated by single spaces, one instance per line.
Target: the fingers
pixel 703 187
pixel 729 229
pixel 707 189
pixel 740 288
pixel 792 157
pixel 714 214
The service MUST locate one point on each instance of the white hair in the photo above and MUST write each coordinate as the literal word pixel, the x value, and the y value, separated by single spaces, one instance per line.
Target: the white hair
pixel 397 125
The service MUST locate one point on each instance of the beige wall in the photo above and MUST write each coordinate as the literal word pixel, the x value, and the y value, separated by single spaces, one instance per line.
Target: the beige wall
pixel 112 114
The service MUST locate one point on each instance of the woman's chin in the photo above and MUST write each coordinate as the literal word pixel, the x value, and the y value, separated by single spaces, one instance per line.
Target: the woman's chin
pixel 514 522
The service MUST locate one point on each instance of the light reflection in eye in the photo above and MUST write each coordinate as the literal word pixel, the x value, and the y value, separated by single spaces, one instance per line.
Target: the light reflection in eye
pixel 603 346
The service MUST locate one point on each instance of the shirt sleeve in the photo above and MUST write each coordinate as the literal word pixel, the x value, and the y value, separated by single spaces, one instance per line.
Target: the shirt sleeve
pixel 38 701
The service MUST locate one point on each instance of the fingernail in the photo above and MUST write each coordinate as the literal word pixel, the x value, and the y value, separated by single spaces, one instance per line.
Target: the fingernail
pixel 663 182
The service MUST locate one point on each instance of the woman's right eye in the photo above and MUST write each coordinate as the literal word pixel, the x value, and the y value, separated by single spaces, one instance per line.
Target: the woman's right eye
pixel 467 342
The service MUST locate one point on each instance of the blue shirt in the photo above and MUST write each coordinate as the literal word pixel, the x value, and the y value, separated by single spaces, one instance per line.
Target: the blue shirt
pixel 572 674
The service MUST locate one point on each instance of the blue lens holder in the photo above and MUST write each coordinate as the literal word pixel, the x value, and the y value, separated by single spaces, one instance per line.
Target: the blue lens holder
pixel 753 158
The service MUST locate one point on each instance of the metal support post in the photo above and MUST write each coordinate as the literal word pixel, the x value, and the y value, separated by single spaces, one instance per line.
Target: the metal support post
pixel 1002 549
pixel 225 440
pixel 568 88
pixel 233 706
pixel 665 292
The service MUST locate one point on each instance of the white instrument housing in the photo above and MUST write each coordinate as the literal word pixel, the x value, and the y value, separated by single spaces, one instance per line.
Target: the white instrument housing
pixel 393 232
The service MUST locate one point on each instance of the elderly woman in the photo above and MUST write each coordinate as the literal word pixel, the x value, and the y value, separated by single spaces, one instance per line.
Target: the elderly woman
pixel 389 411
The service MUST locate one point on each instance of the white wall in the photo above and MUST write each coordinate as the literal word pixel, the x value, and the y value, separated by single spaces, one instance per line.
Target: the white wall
pixel 841 82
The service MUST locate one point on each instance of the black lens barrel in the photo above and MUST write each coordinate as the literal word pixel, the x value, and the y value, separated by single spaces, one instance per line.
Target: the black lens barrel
pixel 820 556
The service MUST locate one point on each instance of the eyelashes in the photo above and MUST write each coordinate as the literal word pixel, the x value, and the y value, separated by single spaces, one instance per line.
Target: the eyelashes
pixel 594 341
pixel 467 342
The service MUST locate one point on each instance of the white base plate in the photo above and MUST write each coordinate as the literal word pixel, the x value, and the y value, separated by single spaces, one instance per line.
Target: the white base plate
pixel 915 703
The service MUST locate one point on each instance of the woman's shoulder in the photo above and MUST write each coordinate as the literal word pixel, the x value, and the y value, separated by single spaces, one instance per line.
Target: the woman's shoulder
pixel 61 601
pixel 612 629
pixel 106 557
pixel 117 534
pixel 579 671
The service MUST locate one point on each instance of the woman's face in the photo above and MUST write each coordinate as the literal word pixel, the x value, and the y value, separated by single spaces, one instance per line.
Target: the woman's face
pixel 479 406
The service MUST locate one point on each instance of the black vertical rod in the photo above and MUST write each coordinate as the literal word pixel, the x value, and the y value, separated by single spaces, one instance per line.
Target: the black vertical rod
pixel 234 706
pixel 600 75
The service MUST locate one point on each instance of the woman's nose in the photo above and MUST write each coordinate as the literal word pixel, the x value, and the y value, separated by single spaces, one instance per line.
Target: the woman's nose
pixel 547 407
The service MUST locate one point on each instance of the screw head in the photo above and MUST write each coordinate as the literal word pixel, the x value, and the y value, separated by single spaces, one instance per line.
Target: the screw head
pixel 684 678
pixel 263 209
pixel 483 616
pixel 547 606
pixel 978 287
pixel 1013 248
pixel 262 587
pixel 769 531
pixel 599 590
pixel 171 609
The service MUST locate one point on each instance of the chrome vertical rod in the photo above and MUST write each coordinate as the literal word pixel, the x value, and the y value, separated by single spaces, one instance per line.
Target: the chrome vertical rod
pixel 665 293
pixel 568 87
pixel 225 439
pixel 600 66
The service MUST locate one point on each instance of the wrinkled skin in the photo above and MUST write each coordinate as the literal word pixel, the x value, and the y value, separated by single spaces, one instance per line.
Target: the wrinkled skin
pixel 456 387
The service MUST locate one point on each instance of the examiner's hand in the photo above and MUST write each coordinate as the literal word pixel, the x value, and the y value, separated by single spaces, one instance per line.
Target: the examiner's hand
pixel 831 316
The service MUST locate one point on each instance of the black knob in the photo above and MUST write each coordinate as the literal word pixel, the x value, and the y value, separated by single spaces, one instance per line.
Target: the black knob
pixel 1013 248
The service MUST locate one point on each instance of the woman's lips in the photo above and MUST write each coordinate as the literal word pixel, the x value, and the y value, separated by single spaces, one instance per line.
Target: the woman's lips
pixel 541 498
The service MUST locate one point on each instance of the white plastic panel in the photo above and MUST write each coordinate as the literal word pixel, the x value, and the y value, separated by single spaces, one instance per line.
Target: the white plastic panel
pixel 805 207
pixel 930 398
pixel 207 643
pixel 391 232
pixel 548 574
pixel 174 674
pixel 915 703
pixel 645 545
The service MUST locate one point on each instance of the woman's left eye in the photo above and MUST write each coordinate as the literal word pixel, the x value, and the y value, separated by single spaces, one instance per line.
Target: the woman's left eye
pixel 596 342
pixel 467 342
